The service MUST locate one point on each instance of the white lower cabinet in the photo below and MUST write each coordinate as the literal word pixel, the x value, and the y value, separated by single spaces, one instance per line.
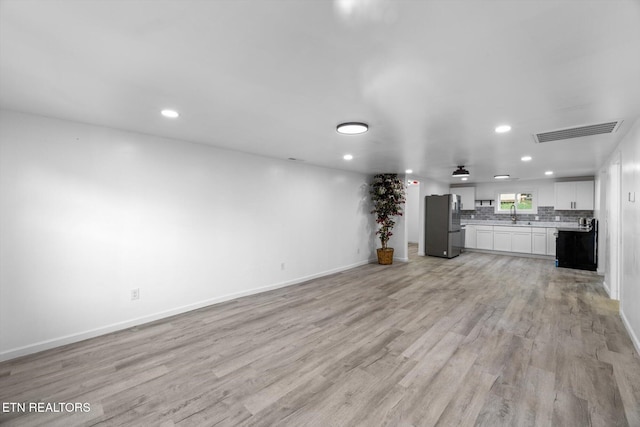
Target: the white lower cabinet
pixel 502 241
pixel 551 241
pixel 512 239
pixel 539 241
pixel 521 242
pixel 525 240
pixel 470 237
pixel 484 237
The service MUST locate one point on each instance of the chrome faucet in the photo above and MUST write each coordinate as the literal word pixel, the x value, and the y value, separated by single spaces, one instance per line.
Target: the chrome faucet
pixel 512 210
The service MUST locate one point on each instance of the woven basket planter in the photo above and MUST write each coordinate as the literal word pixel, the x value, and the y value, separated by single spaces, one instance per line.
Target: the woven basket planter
pixel 385 256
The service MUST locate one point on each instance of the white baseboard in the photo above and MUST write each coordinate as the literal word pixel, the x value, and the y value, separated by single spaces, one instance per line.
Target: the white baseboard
pixel 627 325
pixel 516 254
pixel 92 333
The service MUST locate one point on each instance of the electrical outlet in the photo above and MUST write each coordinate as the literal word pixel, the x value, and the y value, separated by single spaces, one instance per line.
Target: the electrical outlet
pixel 557 218
pixel 537 218
pixel 358 251
pixel 135 294
pixel 282 266
pixel 472 216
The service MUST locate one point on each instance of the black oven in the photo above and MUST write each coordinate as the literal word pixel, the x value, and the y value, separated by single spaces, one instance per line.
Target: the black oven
pixel 578 248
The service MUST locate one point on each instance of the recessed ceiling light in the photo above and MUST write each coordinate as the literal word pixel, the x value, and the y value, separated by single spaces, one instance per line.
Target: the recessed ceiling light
pixel 548 173
pixel 347 157
pixel 172 114
pixel 408 171
pixel 503 128
pixel 501 176
pixel 464 179
pixel 352 128
pixel 526 158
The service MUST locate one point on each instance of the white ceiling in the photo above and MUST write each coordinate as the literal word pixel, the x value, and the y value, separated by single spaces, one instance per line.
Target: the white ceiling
pixel 432 78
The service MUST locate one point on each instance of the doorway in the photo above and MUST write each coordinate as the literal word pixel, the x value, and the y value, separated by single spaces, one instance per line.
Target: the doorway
pixel 412 207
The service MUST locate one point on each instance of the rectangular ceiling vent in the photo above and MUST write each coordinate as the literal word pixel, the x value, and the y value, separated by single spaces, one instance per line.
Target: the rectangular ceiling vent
pixel 577 132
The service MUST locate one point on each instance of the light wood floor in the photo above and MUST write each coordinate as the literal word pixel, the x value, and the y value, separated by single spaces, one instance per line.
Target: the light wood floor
pixel 476 340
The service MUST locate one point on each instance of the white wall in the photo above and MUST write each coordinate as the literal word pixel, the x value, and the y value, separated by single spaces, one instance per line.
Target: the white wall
pixel 544 188
pixel 89 213
pixel 413 213
pixel 629 154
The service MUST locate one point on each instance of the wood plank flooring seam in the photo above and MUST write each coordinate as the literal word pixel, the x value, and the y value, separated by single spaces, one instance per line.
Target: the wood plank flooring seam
pixel 429 342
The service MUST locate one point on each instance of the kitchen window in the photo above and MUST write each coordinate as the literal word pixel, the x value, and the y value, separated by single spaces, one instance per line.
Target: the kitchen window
pixel 524 201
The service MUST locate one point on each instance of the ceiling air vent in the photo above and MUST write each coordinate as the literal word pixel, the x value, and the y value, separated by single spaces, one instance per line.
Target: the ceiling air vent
pixel 577 132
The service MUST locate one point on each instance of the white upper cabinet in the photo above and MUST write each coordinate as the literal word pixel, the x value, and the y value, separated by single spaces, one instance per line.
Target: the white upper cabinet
pixel 565 195
pixel 584 195
pixel 575 195
pixel 467 197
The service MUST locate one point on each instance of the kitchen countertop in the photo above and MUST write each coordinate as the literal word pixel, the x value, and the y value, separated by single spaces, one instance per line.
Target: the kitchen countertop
pixel 576 230
pixel 538 224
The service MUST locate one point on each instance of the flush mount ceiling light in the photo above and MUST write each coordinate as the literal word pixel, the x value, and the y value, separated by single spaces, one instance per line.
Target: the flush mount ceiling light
pixel 548 173
pixel 503 128
pixel 501 176
pixel 408 171
pixel 347 157
pixel 464 179
pixel 171 114
pixel 352 128
pixel 460 172
pixel 525 158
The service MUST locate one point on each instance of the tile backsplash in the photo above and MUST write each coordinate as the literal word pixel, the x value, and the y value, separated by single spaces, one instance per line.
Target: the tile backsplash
pixel 545 214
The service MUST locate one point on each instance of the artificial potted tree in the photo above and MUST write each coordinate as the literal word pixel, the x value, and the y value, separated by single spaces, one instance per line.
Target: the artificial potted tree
pixel 388 195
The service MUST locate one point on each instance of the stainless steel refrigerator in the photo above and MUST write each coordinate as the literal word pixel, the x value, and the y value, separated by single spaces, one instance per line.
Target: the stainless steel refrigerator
pixel 443 237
